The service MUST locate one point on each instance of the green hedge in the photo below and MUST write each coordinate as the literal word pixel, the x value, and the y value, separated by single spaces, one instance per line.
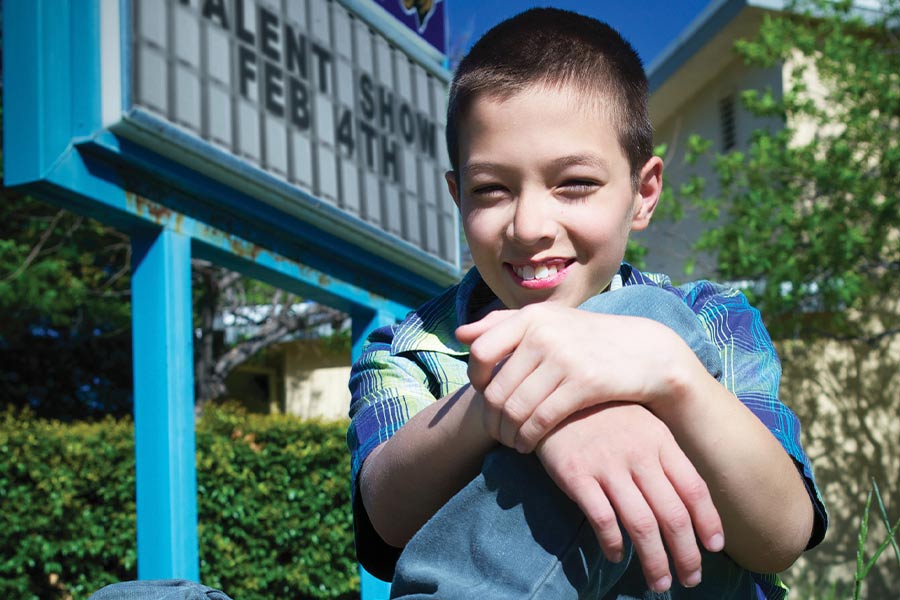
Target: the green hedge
pixel 273 507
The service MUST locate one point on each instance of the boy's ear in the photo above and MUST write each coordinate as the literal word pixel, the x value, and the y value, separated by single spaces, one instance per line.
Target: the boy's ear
pixel 647 195
pixel 453 186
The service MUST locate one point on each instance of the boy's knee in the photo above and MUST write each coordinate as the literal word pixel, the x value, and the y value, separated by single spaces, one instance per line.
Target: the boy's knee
pixel 638 301
pixel 517 477
pixel 655 303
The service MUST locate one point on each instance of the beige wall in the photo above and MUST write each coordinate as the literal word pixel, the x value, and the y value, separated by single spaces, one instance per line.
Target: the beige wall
pixel 799 69
pixel 669 244
pixel 304 378
pixel 847 396
pixel 315 381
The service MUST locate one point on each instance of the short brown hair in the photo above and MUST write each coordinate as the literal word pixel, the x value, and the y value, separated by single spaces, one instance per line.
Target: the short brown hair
pixel 553 47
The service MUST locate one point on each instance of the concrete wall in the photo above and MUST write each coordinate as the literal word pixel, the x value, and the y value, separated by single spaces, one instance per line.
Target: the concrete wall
pixel 670 243
pixel 847 395
pixel 305 378
pixel 315 381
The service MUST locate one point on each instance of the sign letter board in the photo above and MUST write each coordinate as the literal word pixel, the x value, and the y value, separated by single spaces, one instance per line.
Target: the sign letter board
pixel 328 119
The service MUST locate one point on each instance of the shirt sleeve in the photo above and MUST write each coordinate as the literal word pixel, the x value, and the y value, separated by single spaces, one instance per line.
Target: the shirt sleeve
pixel 386 390
pixel 752 372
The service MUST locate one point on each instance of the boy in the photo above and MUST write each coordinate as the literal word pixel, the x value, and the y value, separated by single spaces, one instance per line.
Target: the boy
pixel 590 431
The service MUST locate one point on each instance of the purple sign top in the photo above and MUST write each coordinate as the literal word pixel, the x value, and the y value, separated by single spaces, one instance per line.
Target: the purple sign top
pixel 425 17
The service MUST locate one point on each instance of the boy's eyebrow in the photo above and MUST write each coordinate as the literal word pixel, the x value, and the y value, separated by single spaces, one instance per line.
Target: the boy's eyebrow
pixel 472 169
pixel 587 158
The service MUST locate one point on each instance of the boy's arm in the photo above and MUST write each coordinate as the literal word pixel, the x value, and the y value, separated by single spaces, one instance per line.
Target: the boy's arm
pixel 410 449
pixel 406 479
pixel 760 494
pixel 539 365
pixel 647 482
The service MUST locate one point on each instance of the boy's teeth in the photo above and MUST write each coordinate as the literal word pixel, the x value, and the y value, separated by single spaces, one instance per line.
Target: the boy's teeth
pixel 528 272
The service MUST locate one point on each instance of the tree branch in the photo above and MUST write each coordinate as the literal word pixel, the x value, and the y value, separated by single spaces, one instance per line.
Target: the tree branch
pixel 36 250
pixel 273 331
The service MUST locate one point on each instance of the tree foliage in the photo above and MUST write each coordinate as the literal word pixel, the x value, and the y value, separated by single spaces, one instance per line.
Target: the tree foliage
pixel 812 207
pixel 65 314
pixel 65 346
pixel 65 342
pixel 808 213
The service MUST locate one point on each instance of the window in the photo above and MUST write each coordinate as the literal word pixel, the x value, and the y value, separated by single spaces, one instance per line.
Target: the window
pixel 727 122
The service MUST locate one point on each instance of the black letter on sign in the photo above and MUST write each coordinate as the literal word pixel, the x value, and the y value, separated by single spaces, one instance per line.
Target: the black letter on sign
pixel 368 133
pixel 243 33
pixel 426 135
pixel 390 164
pixel 295 46
pixel 386 104
pixel 299 104
pixel 246 68
pixel 345 131
pixel 215 8
pixel 274 89
pixel 324 59
pixel 407 124
pixel 268 26
pixel 367 100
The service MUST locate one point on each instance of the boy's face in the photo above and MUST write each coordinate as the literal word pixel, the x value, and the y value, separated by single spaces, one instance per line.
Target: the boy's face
pixel 546 197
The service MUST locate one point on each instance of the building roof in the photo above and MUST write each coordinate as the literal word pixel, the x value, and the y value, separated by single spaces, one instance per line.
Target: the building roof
pixel 704 48
pixel 701 51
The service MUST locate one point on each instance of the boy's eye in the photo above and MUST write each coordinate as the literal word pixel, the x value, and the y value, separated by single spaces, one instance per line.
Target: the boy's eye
pixel 578 187
pixel 488 190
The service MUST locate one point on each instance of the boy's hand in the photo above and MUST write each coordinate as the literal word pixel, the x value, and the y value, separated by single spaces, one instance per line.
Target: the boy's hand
pixel 540 364
pixel 620 461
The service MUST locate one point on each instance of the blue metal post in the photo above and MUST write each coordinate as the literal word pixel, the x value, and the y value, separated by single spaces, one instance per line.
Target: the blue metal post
pixel 372 588
pixel 364 320
pixel 164 406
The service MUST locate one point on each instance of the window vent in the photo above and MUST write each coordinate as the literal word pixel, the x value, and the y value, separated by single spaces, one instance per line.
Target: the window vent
pixel 727 122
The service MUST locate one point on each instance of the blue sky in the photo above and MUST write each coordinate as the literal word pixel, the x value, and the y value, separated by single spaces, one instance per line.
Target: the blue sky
pixel 648 24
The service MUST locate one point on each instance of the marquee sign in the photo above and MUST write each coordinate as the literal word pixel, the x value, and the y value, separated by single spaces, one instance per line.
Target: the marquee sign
pixel 304 105
pixel 294 141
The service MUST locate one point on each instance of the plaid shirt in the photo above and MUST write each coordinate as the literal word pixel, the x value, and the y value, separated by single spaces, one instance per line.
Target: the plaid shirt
pixel 407 366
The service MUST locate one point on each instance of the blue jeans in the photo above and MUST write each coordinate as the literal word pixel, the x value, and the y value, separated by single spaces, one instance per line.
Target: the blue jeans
pixel 511 534
pixel 161 589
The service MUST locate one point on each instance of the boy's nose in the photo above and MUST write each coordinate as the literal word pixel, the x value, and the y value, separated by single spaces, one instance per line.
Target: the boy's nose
pixel 532 221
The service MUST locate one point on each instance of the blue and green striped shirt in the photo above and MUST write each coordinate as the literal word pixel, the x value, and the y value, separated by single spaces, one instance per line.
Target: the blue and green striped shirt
pixel 407 366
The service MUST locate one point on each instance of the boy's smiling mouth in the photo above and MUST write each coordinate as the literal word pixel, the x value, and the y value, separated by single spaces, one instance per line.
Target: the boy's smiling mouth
pixel 540 275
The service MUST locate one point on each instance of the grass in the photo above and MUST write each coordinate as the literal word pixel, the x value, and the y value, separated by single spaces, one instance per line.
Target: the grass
pixel 827 589
pixel 863 566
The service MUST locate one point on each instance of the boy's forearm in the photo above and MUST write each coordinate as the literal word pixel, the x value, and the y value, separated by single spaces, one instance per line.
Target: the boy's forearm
pixel 765 509
pixel 405 480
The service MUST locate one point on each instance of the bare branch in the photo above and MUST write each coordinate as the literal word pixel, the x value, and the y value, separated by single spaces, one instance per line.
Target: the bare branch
pixel 272 331
pixel 36 250
pixel 228 279
pixel 110 294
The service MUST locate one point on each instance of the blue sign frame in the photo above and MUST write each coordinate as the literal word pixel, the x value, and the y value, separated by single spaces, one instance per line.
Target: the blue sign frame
pixel 57 148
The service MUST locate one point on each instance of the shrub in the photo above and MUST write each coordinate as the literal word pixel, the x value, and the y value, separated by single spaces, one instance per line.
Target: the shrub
pixel 273 507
